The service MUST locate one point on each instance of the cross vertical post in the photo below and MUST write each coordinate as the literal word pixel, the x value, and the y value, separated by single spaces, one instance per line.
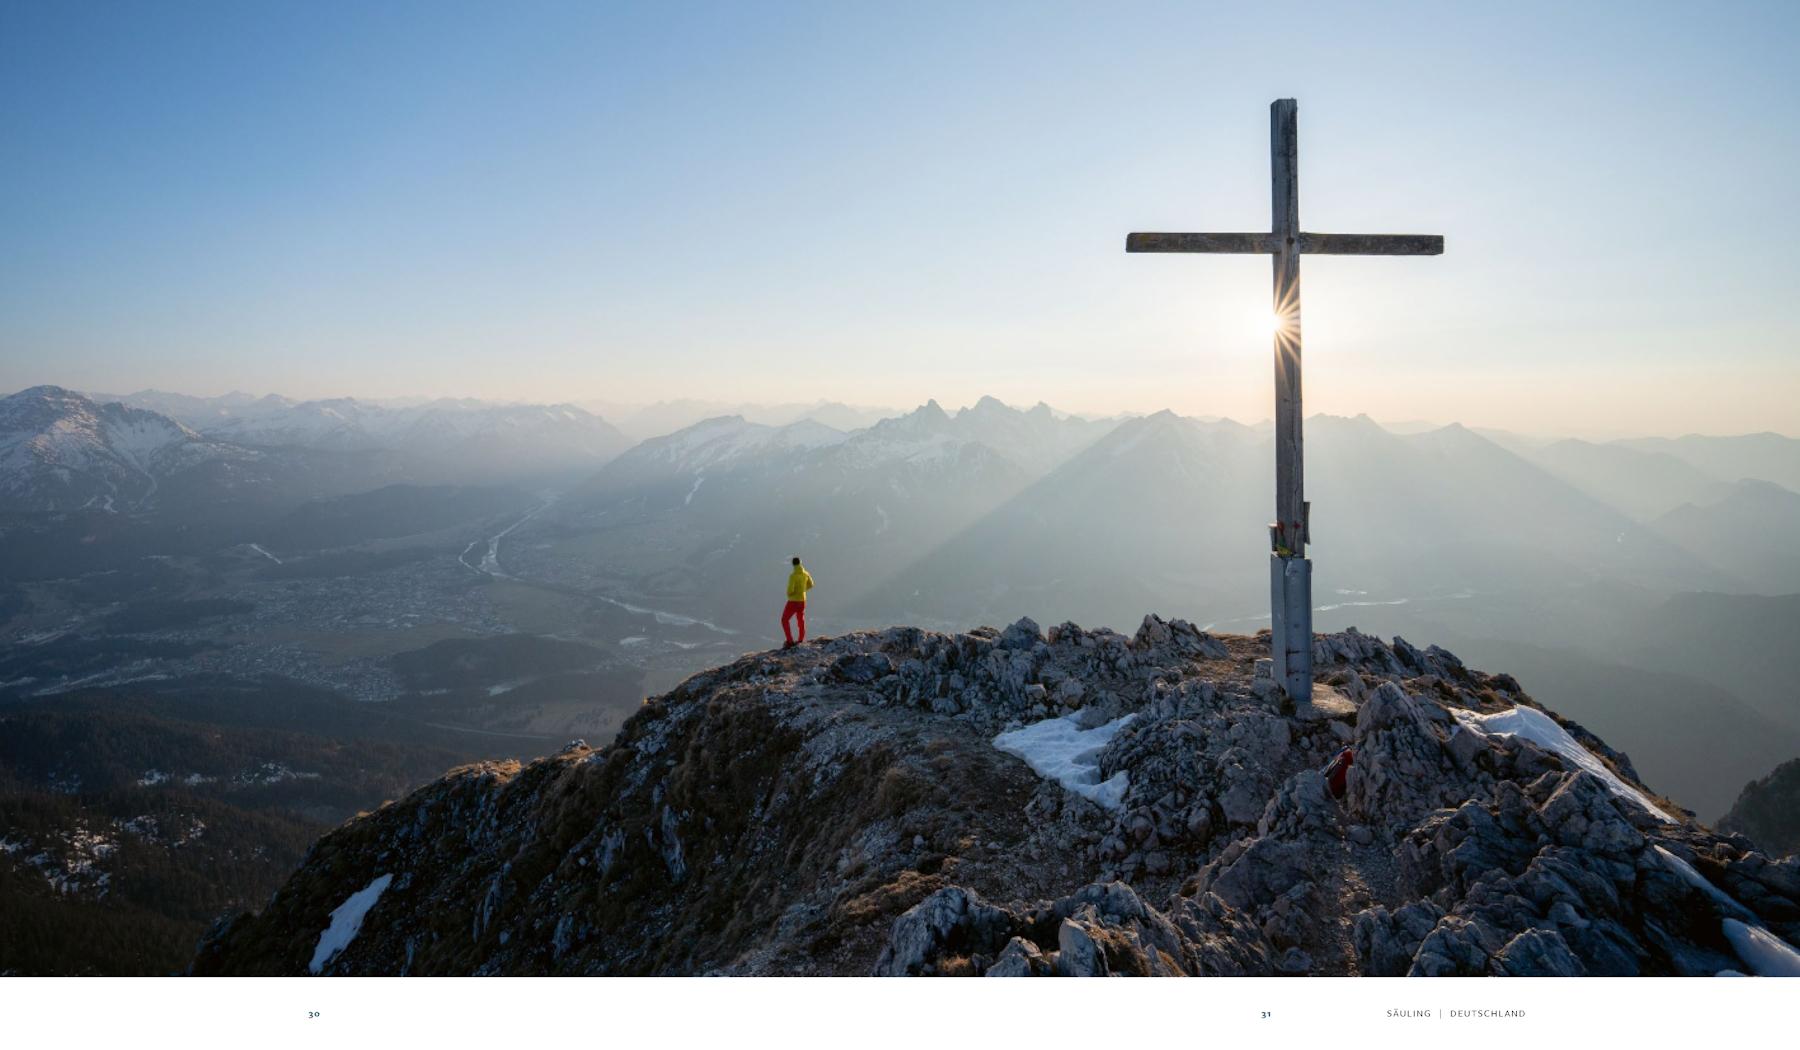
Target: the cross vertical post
pixel 1290 570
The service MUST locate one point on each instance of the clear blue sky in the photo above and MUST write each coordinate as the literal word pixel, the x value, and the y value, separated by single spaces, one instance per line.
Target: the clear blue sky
pixel 881 203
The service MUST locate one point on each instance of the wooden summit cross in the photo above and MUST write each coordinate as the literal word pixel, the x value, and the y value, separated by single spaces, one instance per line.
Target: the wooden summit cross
pixel 1290 571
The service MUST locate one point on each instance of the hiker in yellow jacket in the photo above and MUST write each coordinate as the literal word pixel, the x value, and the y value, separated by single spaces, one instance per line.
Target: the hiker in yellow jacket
pixel 799 582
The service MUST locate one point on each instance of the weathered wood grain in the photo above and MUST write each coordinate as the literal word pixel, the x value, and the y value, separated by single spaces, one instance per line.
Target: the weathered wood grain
pixel 1266 244
pixel 1208 243
pixel 1371 244
pixel 1284 176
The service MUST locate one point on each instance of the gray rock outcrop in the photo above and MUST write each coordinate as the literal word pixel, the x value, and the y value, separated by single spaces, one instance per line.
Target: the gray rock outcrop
pixel 841 808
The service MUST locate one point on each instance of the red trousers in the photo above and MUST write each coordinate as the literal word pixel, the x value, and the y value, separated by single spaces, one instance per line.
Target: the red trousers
pixel 793 611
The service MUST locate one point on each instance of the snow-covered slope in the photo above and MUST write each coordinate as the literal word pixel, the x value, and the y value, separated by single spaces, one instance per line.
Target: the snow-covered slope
pixel 60 450
pixel 341 424
pixel 462 438
pixel 195 412
pixel 1036 440
pixel 500 440
pixel 724 443
pixel 1033 441
pixel 921 443
pixel 666 417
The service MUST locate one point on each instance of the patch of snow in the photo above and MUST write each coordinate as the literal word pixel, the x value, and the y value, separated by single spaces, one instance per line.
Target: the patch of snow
pixel 1059 749
pixel 346 921
pixel 725 441
pixel 1766 954
pixel 77 869
pixel 636 639
pixel 698 481
pixel 914 439
pixel 268 773
pixel 1528 723
pixel 153 777
pixel 144 827
pixel 1700 882
pixel 1357 605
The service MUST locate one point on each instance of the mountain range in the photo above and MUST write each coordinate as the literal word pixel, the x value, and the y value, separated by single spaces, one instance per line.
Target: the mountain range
pixel 689 520
pixel 666 417
pixel 61 451
pixel 464 439
pixel 503 577
pixel 1565 556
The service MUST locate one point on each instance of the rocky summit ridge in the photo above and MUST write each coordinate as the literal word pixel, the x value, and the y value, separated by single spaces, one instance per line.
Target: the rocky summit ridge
pixel 842 808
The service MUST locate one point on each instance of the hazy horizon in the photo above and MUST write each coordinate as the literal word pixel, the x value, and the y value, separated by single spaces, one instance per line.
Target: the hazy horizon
pixel 806 203
pixel 614 411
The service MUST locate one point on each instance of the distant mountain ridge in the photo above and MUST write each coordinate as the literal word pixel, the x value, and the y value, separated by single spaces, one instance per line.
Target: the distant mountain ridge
pixel 1748 528
pixel 480 439
pixel 1170 511
pixel 643 422
pixel 1768 810
pixel 693 516
pixel 60 451
pixel 1642 482
pixel 63 451
pixel 1766 456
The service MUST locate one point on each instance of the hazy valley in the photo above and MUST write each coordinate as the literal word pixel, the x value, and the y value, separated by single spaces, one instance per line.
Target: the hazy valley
pixel 255 617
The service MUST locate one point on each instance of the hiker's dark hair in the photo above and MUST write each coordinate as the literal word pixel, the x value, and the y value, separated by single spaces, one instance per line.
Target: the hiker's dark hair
pixel 796 559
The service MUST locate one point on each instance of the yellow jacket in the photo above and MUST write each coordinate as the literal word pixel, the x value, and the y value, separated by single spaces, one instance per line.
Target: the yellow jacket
pixel 799 582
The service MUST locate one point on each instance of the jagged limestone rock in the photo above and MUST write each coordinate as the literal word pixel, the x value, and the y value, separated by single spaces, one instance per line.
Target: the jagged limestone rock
pixel 841 808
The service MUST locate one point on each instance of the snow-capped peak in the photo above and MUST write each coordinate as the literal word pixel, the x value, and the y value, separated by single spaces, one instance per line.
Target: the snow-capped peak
pixel 61 450
pixel 727 440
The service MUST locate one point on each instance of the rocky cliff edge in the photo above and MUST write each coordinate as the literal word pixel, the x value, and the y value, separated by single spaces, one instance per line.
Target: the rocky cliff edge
pixel 1026 802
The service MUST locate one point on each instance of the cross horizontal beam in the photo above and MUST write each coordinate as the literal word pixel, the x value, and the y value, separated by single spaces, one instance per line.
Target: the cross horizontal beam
pixel 1371 244
pixel 1267 244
